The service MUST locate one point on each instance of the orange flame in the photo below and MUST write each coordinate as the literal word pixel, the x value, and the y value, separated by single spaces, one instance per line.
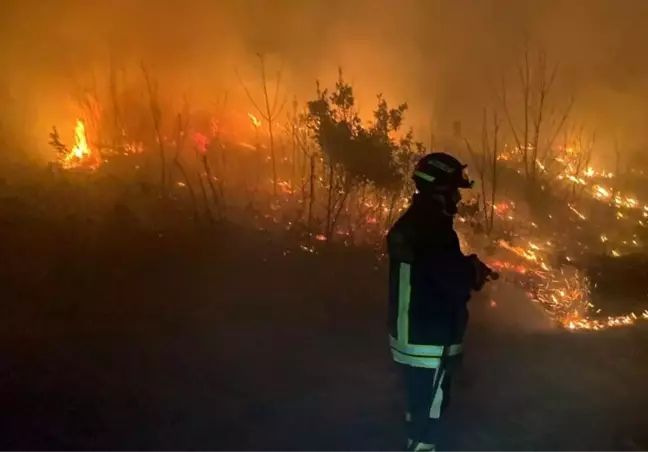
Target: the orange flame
pixel 201 142
pixel 255 122
pixel 80 154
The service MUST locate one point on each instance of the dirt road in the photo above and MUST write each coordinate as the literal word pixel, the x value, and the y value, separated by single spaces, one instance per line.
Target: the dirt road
pixel 255 347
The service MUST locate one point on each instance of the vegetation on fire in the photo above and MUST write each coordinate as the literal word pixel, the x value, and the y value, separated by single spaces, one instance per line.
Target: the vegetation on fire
pixel 360 158
pixel 326 174
pixel 199 153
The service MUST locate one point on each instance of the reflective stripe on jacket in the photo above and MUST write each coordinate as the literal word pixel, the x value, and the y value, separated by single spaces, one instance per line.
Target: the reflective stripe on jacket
pixel 428 356
pixel 430 282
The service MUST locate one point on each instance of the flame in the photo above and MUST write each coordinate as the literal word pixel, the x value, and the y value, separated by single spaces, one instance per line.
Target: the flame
pixel 285 186
pixel 564 294
pixel 577 180
pixel 255 122
pixel 601 192
pixel 80 154
pixel 503 207
pixel 201 141
pixel 579 214
pixel 526 254
pixel 504 265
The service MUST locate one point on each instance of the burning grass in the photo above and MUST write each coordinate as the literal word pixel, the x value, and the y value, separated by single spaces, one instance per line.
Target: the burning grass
pixel 216 159
pixel 563 292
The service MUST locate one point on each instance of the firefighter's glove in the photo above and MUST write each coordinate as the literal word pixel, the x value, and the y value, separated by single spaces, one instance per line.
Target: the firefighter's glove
pixel 481 272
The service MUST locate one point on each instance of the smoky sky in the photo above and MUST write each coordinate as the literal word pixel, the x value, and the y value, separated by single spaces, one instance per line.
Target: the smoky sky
pixel 437 55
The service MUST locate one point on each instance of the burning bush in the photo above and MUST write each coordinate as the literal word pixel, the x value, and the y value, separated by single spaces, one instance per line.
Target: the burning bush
pixel 80 155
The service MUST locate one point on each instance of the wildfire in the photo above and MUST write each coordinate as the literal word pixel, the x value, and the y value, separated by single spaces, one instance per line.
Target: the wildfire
pixel 601 192
pixel 200 142
pixel 80 155
pixel 576 180
pixel 529 255
pixel 579 214
pixel 504 207
pixel 563 293
pixel 285 186
pixel 588 324
pixel 504 265
pixel 255 122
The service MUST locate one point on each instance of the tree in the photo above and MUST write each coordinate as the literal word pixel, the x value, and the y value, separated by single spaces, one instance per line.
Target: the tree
pixel 182 126
pixel 89 102
pixel 537 123
pixel 583 149
pixel 156 116
pixel 486 164
pixel 310 155
pixel 356 154
pixel 55 141
pixel 270 111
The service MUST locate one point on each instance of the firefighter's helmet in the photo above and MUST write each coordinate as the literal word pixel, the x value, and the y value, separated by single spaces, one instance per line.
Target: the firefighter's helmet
pixel 440 172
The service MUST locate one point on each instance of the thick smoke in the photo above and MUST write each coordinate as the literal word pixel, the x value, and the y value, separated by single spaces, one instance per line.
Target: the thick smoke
pixel 440 56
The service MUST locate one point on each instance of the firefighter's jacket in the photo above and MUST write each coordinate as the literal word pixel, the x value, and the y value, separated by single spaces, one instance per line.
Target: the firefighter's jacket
pixel 430 284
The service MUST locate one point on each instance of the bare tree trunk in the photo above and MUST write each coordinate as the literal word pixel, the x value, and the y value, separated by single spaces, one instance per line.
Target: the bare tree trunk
pixel 273 159
pixel 208 212
pixel 535 87
pixel 341 205
pixel 527 91
pixel 617 170
pixel 270 113
pixel 588 158
pixel 311 194
pixel 381 207
pixel 180 134
pixel 116 135
pixel 210 180
pixel 156 115
pixel 259 165
pixel 293 149
pixel 329 202
pixel 496 128
pixel 303 177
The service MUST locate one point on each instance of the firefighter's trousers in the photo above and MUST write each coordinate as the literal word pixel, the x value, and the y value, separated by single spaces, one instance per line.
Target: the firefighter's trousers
pixel 427 395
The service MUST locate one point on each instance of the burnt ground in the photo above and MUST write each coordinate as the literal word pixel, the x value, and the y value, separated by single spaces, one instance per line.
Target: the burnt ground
pixel 147 342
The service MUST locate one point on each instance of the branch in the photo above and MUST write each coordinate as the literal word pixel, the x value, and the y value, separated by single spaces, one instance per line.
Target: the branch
pixel 276 96
pixel 507 113
pixel 249 96
pixel 560 124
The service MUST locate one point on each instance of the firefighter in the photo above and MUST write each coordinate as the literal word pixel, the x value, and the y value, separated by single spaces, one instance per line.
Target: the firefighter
pixel 430 283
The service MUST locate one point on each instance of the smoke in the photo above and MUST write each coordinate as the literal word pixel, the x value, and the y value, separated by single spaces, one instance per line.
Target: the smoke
pixel 442 57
